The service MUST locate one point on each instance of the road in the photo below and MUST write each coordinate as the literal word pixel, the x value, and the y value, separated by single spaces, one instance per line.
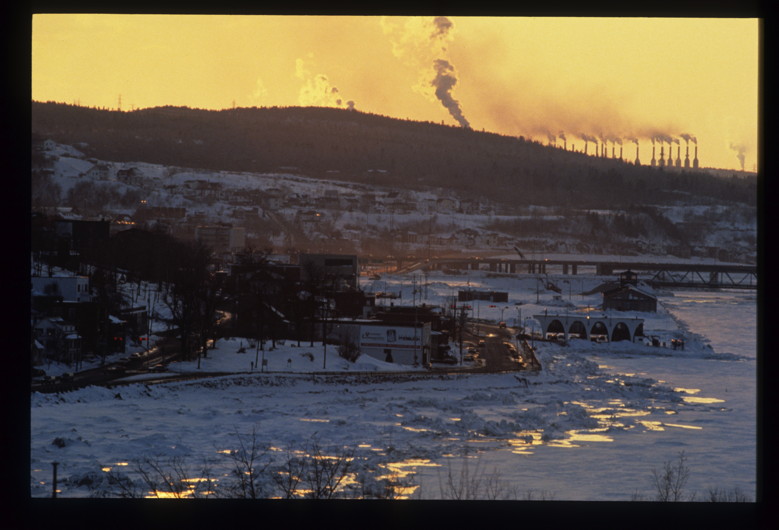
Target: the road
pixel 498 349
pixel 499 353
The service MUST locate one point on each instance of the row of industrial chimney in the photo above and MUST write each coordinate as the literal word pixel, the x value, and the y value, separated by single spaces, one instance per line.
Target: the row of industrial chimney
pixel 662 163
pixel 655 162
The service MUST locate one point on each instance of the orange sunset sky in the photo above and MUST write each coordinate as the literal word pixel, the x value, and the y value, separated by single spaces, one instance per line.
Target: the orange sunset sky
pixel 537 77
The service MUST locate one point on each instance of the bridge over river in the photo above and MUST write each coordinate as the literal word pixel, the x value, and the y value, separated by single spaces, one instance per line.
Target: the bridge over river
pixel 657 273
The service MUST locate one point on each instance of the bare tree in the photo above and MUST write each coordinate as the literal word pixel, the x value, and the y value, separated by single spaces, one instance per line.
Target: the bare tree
pixel 174 479
pixel 671 481
pixel 734 495
pixel 460 486
pixel 314 474
pixel 250 463
pixel 348 348
pixel 325 473
pixel 191 298
pixel 287 476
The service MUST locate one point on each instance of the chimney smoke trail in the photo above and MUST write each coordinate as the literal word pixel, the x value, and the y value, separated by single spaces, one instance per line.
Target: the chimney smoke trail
pixel 444 83
pixel 445 79
pixel 740 153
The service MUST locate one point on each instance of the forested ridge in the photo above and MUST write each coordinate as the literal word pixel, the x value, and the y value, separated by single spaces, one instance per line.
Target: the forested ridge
pixel 354 146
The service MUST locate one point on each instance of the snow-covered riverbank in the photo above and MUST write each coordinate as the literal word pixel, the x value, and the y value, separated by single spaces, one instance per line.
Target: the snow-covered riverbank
pixel 591 426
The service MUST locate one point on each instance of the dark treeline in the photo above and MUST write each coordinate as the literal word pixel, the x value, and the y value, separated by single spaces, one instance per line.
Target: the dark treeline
pixel 354 146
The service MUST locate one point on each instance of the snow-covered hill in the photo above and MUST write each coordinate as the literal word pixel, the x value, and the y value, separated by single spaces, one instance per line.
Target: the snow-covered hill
pixel 285 210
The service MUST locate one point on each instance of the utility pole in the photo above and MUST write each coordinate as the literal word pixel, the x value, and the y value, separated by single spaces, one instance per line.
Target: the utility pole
pixel 54 480
pixel 537 290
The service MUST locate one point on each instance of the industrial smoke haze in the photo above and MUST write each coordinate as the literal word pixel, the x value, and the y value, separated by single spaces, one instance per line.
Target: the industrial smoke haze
pixel 422 43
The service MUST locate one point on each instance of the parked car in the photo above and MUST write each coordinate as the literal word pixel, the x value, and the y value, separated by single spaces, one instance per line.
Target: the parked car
pixel 448 359
pixel 501 324
pixel 67 376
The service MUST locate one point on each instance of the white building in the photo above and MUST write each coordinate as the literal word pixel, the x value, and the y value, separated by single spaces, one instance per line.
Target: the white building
pixel 70 288
pixel 407 345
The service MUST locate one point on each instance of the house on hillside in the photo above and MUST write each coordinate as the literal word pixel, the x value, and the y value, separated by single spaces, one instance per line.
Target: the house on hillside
pixel 308 219
pixel 97 172
pixel 470 206
pixel 58 339
pixel 446 205
pixel 466 237
pixel 203 189
pixel 130 176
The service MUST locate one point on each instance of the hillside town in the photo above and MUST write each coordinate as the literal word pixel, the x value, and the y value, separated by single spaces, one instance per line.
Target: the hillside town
pixel 279 257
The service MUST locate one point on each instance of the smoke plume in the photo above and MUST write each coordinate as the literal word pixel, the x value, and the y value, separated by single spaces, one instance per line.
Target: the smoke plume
pixel 421 43
pixel 317 89
pixel 442 27
pixel 740 153
pixel 444 83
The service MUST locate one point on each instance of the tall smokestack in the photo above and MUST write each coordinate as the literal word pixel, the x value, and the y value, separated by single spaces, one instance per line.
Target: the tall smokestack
pixel 695 160
pixel 620 151
pixel 654 162
pixel 638 160
pixel 661 162
pixel 678 155
pixel 687 156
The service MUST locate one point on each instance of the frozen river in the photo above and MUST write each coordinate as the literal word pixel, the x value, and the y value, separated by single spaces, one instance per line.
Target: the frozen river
pixel 593 425
pixel 715 426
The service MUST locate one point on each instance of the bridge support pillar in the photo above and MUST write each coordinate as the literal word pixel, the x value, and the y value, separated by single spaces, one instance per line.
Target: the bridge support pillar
pixel 565 268
pixel 573 269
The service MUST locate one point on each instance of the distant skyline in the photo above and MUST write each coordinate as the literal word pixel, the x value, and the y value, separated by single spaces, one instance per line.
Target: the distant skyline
pixel 602 78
